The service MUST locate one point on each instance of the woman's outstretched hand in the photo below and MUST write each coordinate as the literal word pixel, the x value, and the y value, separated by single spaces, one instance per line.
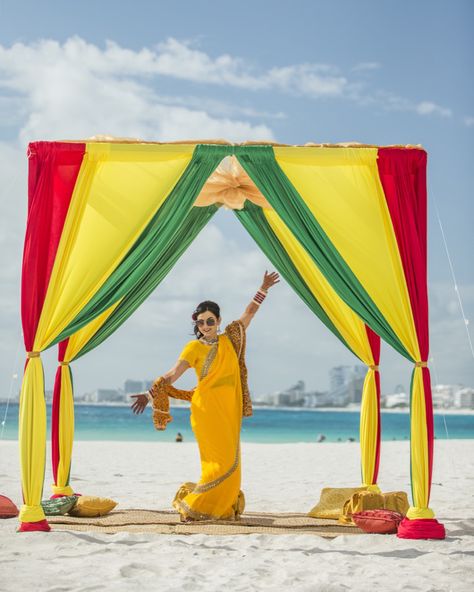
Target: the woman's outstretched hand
pixel 141 401
pixel 270 279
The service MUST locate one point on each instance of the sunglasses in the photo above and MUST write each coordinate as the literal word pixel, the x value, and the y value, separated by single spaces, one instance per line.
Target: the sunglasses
pixel 201 322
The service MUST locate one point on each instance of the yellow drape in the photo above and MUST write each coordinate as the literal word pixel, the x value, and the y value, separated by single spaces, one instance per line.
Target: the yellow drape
pixel 66 433
pixel 118 190
pixel 342 188
pixel 349 325
pixel 32 438
pixel 419 450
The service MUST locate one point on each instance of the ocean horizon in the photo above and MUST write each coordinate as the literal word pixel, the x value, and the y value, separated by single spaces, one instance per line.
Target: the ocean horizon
pixel 270 425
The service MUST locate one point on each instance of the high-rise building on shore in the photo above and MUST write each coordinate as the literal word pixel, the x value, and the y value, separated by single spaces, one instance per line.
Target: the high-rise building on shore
pixel 346 384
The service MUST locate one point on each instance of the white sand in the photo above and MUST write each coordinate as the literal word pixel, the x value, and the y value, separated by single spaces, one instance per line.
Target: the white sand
pixel 282 477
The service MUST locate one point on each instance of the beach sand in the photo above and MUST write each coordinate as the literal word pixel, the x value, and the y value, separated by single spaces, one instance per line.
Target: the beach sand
pixel 275 477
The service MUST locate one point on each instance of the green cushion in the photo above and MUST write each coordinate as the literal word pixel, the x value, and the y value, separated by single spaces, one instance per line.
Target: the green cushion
pixel 59 505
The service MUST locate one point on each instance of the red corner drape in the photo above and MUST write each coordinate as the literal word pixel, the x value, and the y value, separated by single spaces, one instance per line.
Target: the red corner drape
pixel 50 188
pixel 403 176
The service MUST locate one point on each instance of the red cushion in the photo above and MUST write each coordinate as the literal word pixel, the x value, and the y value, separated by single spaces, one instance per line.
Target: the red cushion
pixel 7 507
pixel 378 521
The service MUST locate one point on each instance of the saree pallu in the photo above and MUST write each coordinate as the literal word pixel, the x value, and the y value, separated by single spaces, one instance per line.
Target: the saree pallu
pixel 216 418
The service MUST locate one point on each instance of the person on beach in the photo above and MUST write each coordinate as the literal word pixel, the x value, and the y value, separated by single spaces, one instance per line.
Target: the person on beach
pixel 218 403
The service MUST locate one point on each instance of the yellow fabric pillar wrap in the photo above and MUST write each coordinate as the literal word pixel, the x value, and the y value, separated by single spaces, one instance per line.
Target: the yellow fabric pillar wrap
pixel 66 408
pixel 342 189
pixel 352 329
pixel 368 430
pixel 66 433
pixel 118 190
pixel 419 450
pixel 32 440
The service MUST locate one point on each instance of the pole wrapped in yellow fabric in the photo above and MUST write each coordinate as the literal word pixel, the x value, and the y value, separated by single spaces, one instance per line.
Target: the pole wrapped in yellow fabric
pixel 419 442
pixel 32 438
pixel 370 429
pixel 62 416
pixel 62 430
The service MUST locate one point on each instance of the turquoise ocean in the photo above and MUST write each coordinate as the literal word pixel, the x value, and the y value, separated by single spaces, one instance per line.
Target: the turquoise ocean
pixel 103 422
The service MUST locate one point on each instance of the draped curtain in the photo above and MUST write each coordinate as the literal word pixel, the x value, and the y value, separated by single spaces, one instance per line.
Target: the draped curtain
pixel 99 228
pixel 295 265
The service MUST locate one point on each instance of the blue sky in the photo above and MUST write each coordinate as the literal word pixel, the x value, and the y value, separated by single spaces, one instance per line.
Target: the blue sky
pixel 374 72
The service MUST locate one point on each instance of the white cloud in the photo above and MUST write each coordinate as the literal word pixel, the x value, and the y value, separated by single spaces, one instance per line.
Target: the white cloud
pixel 392 102
pixel 428 108
pixel 115 87
pixel 469 121
pixel 76 90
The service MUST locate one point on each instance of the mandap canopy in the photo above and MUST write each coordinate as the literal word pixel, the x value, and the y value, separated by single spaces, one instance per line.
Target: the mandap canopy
pixel 345 225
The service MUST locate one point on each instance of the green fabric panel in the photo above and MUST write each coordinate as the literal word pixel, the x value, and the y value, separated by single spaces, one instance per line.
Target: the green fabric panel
pixel 254 221
pixel 192 225
pixel 154 239
pixel 261 166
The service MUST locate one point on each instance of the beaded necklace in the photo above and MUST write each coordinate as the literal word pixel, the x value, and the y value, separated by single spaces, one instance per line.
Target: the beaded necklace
pixel 206 342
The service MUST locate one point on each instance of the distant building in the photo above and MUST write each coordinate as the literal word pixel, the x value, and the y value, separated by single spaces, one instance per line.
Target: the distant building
pixel 338 377
pixel 443 395
pixel 316 399
pixel 395 400
pixel 105 396
pixel 295 393
pixel 464 398
pixel 346 384
pixel 133 386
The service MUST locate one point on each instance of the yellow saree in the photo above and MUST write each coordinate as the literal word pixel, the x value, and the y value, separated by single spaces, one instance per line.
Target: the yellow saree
pixel 217 405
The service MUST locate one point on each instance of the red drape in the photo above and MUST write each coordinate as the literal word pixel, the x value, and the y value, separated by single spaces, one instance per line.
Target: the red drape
pixel 53 170
pixel 403 176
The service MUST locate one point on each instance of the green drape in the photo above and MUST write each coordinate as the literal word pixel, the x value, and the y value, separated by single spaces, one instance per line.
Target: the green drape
pixel 155 238
pixel 260 164
pixel 254 221
pixel 191 226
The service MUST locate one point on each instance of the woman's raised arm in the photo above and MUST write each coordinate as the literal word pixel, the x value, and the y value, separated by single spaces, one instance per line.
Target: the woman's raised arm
pixel 269 279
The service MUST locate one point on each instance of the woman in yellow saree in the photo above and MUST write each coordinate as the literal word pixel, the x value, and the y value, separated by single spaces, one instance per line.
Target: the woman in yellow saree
pixel 218 403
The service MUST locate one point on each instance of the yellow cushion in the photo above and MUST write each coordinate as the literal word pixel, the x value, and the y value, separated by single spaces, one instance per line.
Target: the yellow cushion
pixel 88 506
pixel 332 501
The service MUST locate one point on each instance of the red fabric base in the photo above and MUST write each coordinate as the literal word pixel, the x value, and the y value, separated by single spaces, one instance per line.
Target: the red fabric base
pixel 425 528
pixel 41 526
